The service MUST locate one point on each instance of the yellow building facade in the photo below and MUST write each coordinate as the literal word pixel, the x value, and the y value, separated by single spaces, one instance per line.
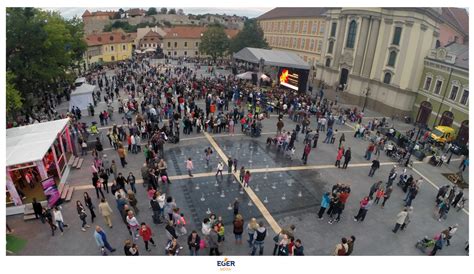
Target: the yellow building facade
pixel 109 47
pixel 299 30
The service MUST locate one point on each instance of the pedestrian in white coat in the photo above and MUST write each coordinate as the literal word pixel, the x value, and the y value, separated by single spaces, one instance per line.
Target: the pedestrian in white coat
pixel 400 219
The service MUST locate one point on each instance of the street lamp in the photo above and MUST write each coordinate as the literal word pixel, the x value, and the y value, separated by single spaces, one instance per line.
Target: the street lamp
pixel 366 98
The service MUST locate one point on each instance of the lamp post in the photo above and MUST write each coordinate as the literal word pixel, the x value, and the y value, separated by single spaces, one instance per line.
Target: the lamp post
pixel 366 98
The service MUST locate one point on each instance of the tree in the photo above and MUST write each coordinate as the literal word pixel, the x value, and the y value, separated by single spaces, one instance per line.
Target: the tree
pixel 42 50
pixel 163 10
pixel 172 11
pixel 14 99
pixel 214 42
pixel 151 11
pixel 250 36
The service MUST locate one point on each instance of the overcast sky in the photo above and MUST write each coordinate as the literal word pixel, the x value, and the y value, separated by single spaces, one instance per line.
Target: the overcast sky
pixel 249 12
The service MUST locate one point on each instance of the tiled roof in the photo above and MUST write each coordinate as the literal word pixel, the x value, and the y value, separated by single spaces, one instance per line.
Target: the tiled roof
pixel 135 11
pixel 462 54
pixel 152 34
pixel 104 38
pixel 99 13
pixel 292 13
pixel 458 17
pixel 192 32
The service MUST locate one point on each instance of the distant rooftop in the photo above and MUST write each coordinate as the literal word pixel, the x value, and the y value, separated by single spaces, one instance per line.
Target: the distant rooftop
pixel 462 54
pixel 278 13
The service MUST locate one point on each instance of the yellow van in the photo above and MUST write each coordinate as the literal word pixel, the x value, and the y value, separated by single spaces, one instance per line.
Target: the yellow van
pixel 442 134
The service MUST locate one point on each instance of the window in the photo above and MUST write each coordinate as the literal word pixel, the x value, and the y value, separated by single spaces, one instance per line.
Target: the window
pixel 113 58
pixel 288 26
pixel 197 53
pixel 427 83
pixel 351 34
pixel 185 53
pixel 314 28
pixel 175 45
pixel 464 97
pixel 322 28
pixel 169 52
pixel 305 26
pixel 396 36
pixel 333 29
pixel 287 42
pixel 330 47
pixel 387 78
pixel 438 86
pixel 175 53
pixel 303 41
pixel 185 44
pixel 454 93
pixel 391 58
pixel 197 44
pixel 169 44
pixel 124 47
pixel 111 48
pixel 294 42
pixel 320 45
pixel 312 45
pixel 297 27
pixel 328 62
pixel 111 38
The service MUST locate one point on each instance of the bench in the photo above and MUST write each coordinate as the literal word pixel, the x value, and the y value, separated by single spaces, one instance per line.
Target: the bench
pixel 69 194
pixel 71 160
pixel 75 162
pixel 64 193
pixel 79 164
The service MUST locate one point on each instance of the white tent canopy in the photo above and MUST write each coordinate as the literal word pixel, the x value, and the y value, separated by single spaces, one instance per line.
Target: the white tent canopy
pixel 79 81
pixel 272 58
pixel 248 76
pixel 81 97
pixel 30 143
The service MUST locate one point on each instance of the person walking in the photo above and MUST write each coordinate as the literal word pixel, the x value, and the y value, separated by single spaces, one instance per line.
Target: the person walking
pixel 369 151
pixel 374 188
pixel 133 224
pixel 350 245
pixel 386 195
pixel 189 166
pixel 306 151
pixel 260 235
pixel 342 139
pixel 97 185
pixel 132 200
pixel 341 248
pixel 238 228
pixel 146 233
pixel 213 241
pixel 379 194
pixel 400 219
pixel 194 243
pixel 220 168
pixel 131 181
pixel 104 180
pixel 363 204
pixel 392 176
pixel 101 240
pixel 230 162
pixel 49 219
pixel 315 139
pixel 58 218
pixel 106 212
pixel 247 177
pixel 252 226
pixel 347 158
pixel 324 204
pixel 37 209
pixel 81 211
pixel 375 165
pixel 340 153
pixel 438 244
pixel 122 153
pixel 90 205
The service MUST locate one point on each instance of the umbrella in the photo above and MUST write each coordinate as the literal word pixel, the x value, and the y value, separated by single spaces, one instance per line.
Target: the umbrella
pixel 246 75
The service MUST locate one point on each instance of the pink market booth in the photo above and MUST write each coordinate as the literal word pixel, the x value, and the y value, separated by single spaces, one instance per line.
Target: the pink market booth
pixel 37 157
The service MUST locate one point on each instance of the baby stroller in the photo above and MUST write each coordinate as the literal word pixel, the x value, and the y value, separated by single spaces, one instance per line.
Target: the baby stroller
pixel 425 244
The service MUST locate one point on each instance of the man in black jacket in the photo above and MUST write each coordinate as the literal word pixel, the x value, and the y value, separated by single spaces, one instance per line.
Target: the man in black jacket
pixel 261 233
pixel 347 158
pixel 37 208
pixel 374 167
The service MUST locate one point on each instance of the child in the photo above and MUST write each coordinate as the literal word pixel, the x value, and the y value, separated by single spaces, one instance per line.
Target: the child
pixel 221 230
pixel 379 194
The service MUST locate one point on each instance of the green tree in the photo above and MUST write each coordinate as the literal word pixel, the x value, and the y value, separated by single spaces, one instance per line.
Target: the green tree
pixel 42 50
pixel 151 11
pixel 214 42
pixel 14 99
pixel 250 36
pixel 172 11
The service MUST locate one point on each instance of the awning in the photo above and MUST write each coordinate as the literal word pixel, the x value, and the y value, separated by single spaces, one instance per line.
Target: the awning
pixel 277 58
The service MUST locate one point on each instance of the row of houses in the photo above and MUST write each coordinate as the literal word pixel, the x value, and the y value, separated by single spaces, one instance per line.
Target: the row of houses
pixel 397 61
pixel 174 42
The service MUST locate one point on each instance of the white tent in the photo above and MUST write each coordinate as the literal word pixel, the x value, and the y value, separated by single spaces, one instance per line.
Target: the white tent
pixel 81 97
pixel 276 58
pixel 79 81
pixel 248 76
pixel 30 143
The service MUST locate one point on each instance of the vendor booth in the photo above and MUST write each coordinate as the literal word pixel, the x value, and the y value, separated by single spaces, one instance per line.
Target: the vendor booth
pixel 37 155
pixel 82 96
pixel 290 70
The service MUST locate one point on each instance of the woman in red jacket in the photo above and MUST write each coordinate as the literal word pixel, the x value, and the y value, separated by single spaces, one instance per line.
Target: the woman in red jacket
pixel 146 233
pixel 340 153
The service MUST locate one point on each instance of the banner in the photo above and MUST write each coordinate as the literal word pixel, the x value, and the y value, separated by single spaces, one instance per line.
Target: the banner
pixel 51 191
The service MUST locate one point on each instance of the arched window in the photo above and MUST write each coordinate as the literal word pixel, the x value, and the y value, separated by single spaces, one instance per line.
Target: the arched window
pixel 351 34
pixel 396 36
pixel 330 47
pixel 438 44
pixel 387 78
pixel 328 62
pixel 391 58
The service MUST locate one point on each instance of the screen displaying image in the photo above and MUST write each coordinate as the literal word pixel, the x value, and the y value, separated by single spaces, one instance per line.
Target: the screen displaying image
pixel 289 78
